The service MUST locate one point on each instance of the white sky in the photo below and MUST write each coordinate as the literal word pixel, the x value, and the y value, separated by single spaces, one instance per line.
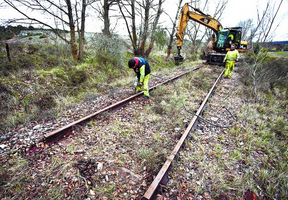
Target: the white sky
pixel 241 10
pixel 236 11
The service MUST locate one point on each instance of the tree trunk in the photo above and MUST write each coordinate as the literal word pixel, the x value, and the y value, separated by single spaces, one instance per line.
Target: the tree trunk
pixel 155 23
pixel 106 6
pixel 62 12
pixel 138 40
pixel 82 31
pixel 8 52
pixel 173 31
pixel 134 34
pixel 73 44
pixel 145 28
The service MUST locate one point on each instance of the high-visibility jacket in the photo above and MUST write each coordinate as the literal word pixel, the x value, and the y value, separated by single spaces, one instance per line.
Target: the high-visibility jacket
pixel 142 68
pixel 232 55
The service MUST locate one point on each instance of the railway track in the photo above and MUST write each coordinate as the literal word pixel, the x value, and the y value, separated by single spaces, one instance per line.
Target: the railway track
pixel 162 176
pixel 148 182
pixel 66 130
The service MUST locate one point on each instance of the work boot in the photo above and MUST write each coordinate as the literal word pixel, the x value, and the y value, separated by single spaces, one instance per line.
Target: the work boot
pixel 146 97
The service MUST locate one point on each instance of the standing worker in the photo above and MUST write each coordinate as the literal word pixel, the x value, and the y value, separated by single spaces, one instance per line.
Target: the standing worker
pixel 231 57
pixel 142 70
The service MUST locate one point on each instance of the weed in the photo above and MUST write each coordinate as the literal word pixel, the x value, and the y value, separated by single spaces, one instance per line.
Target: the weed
pixel 70 149
pixel 158 137
pixel 237 155
pixel 235 131
pixel 151 157
pixel 106 190
pixel 221 137
pixel 280 128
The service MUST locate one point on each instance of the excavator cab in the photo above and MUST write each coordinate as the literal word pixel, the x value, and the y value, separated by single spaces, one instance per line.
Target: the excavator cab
pixel 228 36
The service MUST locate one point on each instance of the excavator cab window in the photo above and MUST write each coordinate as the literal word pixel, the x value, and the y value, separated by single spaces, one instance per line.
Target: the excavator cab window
pixel 237 40
pixel 222 36
pixel 234 37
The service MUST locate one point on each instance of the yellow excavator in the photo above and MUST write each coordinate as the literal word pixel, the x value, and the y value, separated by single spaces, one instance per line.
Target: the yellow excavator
pixel 219 45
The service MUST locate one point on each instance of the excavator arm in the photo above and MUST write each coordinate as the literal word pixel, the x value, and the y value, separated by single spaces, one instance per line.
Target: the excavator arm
pixel 197 16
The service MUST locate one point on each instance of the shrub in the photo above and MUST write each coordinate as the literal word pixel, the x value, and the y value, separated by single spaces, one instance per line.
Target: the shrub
pixel 272 72
pixel 77 75
pixel 43 36
pixel 159 61
pixel 275 72
pixel 193 57
pixel 108 50
pixel 60 73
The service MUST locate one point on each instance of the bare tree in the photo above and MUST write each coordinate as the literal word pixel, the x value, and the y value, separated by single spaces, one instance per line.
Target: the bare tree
pixel 246 27
pixel 148 13
pixel 259 36
pixel 173 29
pixel 124 8
pixel 104 9
pixel 154 26
pixel 196 31
pixel 63 13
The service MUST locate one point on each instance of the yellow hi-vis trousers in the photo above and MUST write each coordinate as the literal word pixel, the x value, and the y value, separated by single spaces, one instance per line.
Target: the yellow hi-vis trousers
pixel 229 67
pixel 145 86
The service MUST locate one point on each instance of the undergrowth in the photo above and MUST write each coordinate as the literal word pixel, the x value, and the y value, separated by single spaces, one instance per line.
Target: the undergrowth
pixel 42 78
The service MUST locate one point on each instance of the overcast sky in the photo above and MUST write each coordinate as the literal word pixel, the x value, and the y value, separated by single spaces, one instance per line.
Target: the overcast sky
pixel 241 10
pixel 236 11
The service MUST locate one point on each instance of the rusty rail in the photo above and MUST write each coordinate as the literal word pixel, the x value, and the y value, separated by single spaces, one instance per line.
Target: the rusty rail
pixel 163 171
pixel 60 132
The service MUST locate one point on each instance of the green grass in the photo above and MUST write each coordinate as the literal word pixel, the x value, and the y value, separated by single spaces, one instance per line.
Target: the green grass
pixel 279 53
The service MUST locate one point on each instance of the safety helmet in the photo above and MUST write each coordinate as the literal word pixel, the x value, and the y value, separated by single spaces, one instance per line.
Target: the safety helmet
pixel 131 63
pixel 232 46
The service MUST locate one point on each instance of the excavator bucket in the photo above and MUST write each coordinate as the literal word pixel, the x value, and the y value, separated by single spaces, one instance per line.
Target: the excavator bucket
pixel 178 58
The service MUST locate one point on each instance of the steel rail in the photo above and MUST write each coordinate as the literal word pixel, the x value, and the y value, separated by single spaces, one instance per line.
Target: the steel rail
pixel 60 132
pixel 161 175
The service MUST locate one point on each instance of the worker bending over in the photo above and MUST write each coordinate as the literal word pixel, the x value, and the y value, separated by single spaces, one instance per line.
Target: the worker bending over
pixel 142 70
pixel 231 57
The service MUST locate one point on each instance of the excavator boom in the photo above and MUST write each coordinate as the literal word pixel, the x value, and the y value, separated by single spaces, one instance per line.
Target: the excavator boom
pixel 197 16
